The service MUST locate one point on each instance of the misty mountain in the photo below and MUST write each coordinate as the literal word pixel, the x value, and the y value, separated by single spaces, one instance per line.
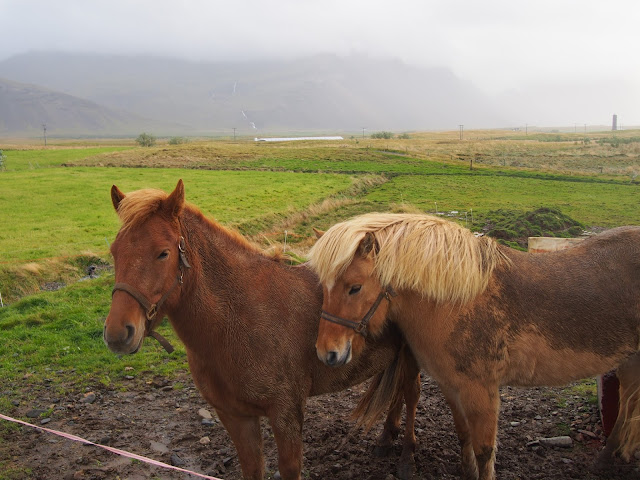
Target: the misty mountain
pixel 25 108
pixel 324 92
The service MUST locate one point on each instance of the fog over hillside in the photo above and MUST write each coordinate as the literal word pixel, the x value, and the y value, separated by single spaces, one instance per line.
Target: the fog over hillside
pixel 26 108
pixel 334 65
pixel 323 92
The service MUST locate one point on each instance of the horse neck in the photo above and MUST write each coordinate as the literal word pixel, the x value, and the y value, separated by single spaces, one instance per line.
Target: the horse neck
pixel 221 266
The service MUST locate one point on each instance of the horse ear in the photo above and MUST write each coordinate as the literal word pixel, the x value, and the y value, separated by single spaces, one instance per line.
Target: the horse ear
pixel 175 201
pixel 116 196
pixel 318 233
pixel 367 244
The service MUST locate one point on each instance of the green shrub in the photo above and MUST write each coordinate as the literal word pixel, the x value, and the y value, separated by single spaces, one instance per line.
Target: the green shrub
pixel 382 135
pixel 146 140
pixel 177 140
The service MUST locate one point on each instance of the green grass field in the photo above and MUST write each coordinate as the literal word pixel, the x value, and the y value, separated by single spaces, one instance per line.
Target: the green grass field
pixel 592 203
pixel 56 337
pixel 30 159
pixel 66 211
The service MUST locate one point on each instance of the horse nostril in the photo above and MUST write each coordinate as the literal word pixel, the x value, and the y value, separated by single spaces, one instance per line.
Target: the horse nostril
pixel 131 331
pixel 332 358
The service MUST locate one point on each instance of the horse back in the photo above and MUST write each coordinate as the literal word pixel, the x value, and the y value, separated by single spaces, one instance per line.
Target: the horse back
pixel 547 318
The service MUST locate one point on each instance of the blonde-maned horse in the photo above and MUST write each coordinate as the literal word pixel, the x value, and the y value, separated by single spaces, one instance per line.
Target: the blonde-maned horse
pixel 478 315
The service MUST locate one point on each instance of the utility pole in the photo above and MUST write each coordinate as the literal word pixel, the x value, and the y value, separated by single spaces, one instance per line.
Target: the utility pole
pixel 363 129
pixel 461 130
pixel 526 129
pixel 44 127
pixel 234 134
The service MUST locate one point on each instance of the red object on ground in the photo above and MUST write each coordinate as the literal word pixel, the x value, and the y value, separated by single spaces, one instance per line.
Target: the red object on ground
pixel 608 398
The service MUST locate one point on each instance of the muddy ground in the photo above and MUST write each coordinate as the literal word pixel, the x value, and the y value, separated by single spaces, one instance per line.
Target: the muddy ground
pixel 154 419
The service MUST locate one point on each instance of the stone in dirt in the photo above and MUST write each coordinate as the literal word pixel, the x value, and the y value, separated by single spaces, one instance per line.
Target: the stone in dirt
pixel 34 413
pixel 159 447
pixel 176 461
pixel 561 441
pixel 89 397
pixel 204 413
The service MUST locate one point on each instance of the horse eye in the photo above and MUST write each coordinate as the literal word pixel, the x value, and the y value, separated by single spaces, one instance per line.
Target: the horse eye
pixel 354 289
pixel 163 255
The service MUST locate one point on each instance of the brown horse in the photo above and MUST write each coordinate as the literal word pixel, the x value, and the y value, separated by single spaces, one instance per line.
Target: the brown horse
pixel 248 322
pixel 478 315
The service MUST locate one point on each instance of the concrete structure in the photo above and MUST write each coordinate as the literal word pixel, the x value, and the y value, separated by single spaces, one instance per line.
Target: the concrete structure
pixel 291 139
pixel 551 244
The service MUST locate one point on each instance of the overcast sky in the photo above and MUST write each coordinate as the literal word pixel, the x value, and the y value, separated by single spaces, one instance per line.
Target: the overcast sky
pixel 587 50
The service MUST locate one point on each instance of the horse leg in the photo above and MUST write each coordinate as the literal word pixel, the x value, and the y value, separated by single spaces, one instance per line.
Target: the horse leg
pixel 411 392
pixel 625 435
pixel 246 436
pixel 391 428
pixel 468 458
pixel 481 404
pixel 287 431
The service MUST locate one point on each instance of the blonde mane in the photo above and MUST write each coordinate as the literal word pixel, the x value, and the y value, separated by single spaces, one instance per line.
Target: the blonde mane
pixel 435 257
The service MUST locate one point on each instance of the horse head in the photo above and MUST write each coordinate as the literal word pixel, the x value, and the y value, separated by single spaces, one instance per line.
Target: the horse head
pixel 149 262
pixel 353 307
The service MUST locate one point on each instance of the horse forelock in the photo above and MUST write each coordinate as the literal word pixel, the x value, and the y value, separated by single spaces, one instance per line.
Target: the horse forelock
pixel 138 206
pixel 435 257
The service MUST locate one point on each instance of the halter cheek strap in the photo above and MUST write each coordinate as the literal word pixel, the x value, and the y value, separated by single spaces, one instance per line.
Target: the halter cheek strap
pixel 151 309
pixel 361 326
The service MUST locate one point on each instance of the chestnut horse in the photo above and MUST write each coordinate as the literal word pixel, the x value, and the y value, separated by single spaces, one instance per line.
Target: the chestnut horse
pixel 248 322
pixel 478 315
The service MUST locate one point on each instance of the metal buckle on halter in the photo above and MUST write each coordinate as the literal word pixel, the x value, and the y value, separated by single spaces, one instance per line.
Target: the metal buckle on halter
pixel 361 328
pixel 152 312
pixel 183 258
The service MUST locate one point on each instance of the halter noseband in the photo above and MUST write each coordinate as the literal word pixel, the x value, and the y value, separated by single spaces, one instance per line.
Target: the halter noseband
pixel 151 309
pixel 361 326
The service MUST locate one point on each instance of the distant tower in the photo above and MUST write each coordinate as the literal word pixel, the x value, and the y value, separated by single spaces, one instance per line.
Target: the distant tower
pixel 615 122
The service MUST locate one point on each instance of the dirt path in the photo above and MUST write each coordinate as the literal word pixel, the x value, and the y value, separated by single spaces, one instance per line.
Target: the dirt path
pixel 157 420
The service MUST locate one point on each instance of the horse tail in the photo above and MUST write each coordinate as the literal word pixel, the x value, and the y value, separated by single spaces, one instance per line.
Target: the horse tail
pixel 384 390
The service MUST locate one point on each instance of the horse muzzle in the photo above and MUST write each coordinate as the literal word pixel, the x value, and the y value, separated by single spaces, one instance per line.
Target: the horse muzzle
pixel 124 339
pixel 336 357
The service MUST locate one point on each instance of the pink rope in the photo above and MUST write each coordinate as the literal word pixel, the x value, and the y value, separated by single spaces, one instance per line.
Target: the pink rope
pixel 110 449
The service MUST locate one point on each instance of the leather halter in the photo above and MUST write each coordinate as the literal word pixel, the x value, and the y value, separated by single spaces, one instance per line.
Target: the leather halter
pixel 151 309
pixel 361 326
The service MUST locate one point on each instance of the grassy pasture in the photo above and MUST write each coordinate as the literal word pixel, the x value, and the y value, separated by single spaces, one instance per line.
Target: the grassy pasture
pixel 598 153
pixel 592 203
pixel 34 158
pixel 65 211
pixel 56 337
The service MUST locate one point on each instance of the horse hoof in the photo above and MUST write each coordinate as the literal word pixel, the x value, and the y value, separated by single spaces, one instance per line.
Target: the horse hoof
pixel 406 470
pixel 381 451
pixel 604 461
